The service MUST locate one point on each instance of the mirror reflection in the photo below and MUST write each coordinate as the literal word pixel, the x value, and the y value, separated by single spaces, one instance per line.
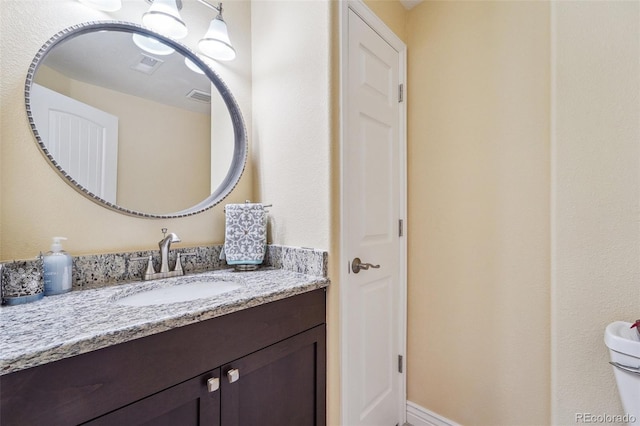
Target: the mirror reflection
pixel 145 132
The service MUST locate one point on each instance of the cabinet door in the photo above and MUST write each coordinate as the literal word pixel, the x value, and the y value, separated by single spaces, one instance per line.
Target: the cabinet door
pixel 194 402
pixel 283 384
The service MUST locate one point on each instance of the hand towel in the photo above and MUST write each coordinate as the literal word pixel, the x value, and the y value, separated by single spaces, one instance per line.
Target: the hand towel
pixel 245 239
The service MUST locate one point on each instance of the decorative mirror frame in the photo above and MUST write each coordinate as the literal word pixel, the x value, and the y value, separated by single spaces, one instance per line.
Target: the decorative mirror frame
pixel 238 162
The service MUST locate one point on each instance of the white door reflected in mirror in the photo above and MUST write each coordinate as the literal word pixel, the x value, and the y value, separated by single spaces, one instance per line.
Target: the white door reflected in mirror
pixel 83 139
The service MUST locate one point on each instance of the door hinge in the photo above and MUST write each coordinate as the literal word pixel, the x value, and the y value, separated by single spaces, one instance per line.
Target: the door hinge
pixel 401 93
pixel 399 363
pixel 400 228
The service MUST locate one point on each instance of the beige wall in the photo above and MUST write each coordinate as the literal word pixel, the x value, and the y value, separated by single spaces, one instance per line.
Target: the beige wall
pixel 478 290
pixel 291 127
pixel 393 14
pixel 596 197
pixel 35 202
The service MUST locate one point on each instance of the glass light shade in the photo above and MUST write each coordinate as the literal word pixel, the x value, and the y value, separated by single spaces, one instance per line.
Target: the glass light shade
pixel 106 5
pixel 192 66
pixel 152 45
pixel 163 17
pixel 215 43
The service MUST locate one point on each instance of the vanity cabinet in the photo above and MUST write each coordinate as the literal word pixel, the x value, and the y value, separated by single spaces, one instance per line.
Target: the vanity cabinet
pixel 276 386
pixel 269 360
pixel 189 403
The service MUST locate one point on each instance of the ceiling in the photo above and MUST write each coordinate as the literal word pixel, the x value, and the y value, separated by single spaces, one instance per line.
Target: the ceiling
pixel 410 4
pixel 108 59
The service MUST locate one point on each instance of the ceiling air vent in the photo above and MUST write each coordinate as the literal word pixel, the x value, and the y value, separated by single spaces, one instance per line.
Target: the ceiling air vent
pixel 146 64
pixel 200 96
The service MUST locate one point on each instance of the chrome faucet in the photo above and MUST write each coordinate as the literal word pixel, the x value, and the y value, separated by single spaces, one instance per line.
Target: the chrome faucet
pixel 165 246
pixel 164 272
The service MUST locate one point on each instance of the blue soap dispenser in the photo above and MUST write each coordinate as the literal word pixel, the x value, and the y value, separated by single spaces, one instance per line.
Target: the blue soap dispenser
pixel 57 269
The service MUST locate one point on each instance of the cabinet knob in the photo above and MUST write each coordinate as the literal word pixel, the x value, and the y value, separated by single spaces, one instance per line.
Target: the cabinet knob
pixel 213 384
pixel 233 375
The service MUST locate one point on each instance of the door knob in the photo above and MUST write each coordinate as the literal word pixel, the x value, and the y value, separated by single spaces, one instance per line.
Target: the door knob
pixel 357 265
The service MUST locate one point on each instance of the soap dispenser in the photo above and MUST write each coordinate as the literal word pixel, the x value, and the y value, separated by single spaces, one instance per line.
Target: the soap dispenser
pixel 57 269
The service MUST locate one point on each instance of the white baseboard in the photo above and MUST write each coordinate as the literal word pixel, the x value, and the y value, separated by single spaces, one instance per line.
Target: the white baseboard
pixel 420 416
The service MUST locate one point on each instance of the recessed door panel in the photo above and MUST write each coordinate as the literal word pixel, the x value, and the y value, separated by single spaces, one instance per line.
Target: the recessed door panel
pixel 376 320
pixel 376 76
pixel 377 173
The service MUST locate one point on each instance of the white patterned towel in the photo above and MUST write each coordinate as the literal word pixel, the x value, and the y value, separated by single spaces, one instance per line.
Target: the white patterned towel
pixel 245 237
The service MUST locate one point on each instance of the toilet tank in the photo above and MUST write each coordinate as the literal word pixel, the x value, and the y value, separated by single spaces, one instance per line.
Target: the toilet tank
pixel 624 350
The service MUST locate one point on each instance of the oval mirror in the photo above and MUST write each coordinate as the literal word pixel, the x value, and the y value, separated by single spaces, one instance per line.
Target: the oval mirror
pixel 135 121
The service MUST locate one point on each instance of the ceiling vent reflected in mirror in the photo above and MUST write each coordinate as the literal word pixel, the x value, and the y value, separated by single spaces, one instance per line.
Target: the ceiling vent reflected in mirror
pixel 200 96
pixel 146 64
pixel 164 17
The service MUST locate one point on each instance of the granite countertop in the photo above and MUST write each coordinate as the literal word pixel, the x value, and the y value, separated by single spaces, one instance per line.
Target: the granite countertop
pixel 62 326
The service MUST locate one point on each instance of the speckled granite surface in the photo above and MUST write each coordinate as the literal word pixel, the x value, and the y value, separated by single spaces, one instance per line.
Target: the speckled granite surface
pixel 298 259
pixel 24 277
pixel 62 326
pixel 102 270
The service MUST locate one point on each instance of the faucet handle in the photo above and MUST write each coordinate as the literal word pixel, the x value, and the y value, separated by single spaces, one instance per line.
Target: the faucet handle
pixel 178 267
pixel 149 260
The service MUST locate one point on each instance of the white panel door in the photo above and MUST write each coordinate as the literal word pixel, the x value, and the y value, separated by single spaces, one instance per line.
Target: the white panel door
pixel 372 185
pixel 82 139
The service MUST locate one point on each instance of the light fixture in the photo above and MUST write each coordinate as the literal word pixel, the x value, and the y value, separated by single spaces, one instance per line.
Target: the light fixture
pixel 151 45
pixel 164 17
pixel 216 44
pixel 105 5
pixel 192 66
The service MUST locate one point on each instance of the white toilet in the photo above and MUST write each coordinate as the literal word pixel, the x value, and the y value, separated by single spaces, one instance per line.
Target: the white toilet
pixel 624 347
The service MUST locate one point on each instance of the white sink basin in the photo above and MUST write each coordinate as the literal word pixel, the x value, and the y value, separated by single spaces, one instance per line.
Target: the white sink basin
pixel 179 293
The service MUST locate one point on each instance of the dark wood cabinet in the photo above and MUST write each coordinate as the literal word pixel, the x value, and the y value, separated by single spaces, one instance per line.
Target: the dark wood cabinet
pixel 270 362
pixel 189 403
pixel 279 385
